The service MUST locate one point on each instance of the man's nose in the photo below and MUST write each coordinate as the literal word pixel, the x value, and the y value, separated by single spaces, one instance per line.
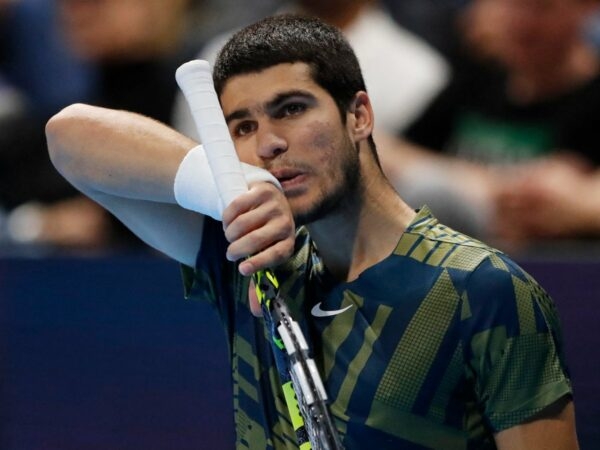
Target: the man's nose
pixel 270 143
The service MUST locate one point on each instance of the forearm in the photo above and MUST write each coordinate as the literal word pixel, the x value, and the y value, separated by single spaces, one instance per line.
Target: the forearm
pixel 116 152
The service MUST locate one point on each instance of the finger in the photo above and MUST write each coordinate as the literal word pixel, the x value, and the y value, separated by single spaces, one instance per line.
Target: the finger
pixel 257 195
pixel 272 256
pixel 257 234
pixel 253 219
pixel 240 205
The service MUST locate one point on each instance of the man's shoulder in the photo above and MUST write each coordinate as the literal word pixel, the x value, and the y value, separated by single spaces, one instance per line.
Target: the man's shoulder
pixel 433 243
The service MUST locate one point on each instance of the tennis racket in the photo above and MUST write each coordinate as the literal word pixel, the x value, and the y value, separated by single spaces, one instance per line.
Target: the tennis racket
pixel 302 386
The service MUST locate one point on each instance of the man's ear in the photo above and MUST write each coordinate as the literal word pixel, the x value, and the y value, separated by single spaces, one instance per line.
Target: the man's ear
pixel 360 116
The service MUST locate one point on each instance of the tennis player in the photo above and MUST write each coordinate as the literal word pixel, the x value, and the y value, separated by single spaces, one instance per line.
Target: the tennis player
pixel 424 337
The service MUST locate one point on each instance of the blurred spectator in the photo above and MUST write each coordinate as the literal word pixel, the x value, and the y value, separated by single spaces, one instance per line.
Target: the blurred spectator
pixel 37 77
pixel 133 48
pixel 432 20
pixel 135 45
pixel 34 59
pixel 516 134
pixel 401 71
pixel 218 16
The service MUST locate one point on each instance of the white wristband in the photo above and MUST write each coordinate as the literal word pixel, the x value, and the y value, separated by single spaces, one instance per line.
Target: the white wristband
pixel 195 186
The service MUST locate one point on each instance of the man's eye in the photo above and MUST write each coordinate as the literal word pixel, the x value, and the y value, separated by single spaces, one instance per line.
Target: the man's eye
pixel 244 128
pixel 292 109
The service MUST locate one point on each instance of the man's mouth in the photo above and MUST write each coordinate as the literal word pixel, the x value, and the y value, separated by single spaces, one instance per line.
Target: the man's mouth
pixel 289 178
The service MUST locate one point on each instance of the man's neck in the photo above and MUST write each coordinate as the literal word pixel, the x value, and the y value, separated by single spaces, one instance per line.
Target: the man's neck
pixel 362 233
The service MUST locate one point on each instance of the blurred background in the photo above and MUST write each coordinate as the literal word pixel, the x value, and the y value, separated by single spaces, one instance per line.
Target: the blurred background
pixel 487 111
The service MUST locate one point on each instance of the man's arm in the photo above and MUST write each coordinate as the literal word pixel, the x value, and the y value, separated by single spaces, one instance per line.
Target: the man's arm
pixel 552 429
pixel 128 164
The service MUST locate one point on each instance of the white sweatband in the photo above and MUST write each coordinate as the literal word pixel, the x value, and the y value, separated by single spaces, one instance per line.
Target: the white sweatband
pixel 195 186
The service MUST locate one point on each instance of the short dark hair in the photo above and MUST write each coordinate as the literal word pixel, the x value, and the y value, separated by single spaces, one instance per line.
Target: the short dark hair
pixel 291 38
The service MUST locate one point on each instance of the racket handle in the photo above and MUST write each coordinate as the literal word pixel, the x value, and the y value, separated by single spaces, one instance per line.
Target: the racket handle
pixel 195 81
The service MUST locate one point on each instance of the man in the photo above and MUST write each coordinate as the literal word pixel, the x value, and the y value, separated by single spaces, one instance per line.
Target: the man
pixel 430 339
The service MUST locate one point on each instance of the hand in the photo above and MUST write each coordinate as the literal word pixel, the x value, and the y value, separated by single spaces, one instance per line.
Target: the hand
pixel 550 199
pixel 259 225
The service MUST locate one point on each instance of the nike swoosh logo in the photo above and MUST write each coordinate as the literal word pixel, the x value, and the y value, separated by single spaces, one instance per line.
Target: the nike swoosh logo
pixel 318 312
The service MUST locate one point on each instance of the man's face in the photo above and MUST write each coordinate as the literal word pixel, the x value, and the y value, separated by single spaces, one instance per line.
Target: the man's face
pixel 283 121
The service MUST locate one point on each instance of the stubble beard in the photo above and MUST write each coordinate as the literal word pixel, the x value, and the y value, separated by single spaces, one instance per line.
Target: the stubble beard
pixel 346 192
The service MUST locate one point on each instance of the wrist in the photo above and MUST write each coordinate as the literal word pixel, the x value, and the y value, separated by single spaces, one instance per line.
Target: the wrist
pixel 195 187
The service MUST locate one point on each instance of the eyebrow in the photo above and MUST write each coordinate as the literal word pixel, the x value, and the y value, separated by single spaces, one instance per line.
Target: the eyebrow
pixel 270 105
pixel 237 114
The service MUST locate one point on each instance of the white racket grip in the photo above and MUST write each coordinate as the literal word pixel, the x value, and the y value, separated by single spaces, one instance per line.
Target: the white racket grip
pixel 195 81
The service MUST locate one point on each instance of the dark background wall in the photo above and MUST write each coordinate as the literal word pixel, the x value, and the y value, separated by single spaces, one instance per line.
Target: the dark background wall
pixel 104 353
